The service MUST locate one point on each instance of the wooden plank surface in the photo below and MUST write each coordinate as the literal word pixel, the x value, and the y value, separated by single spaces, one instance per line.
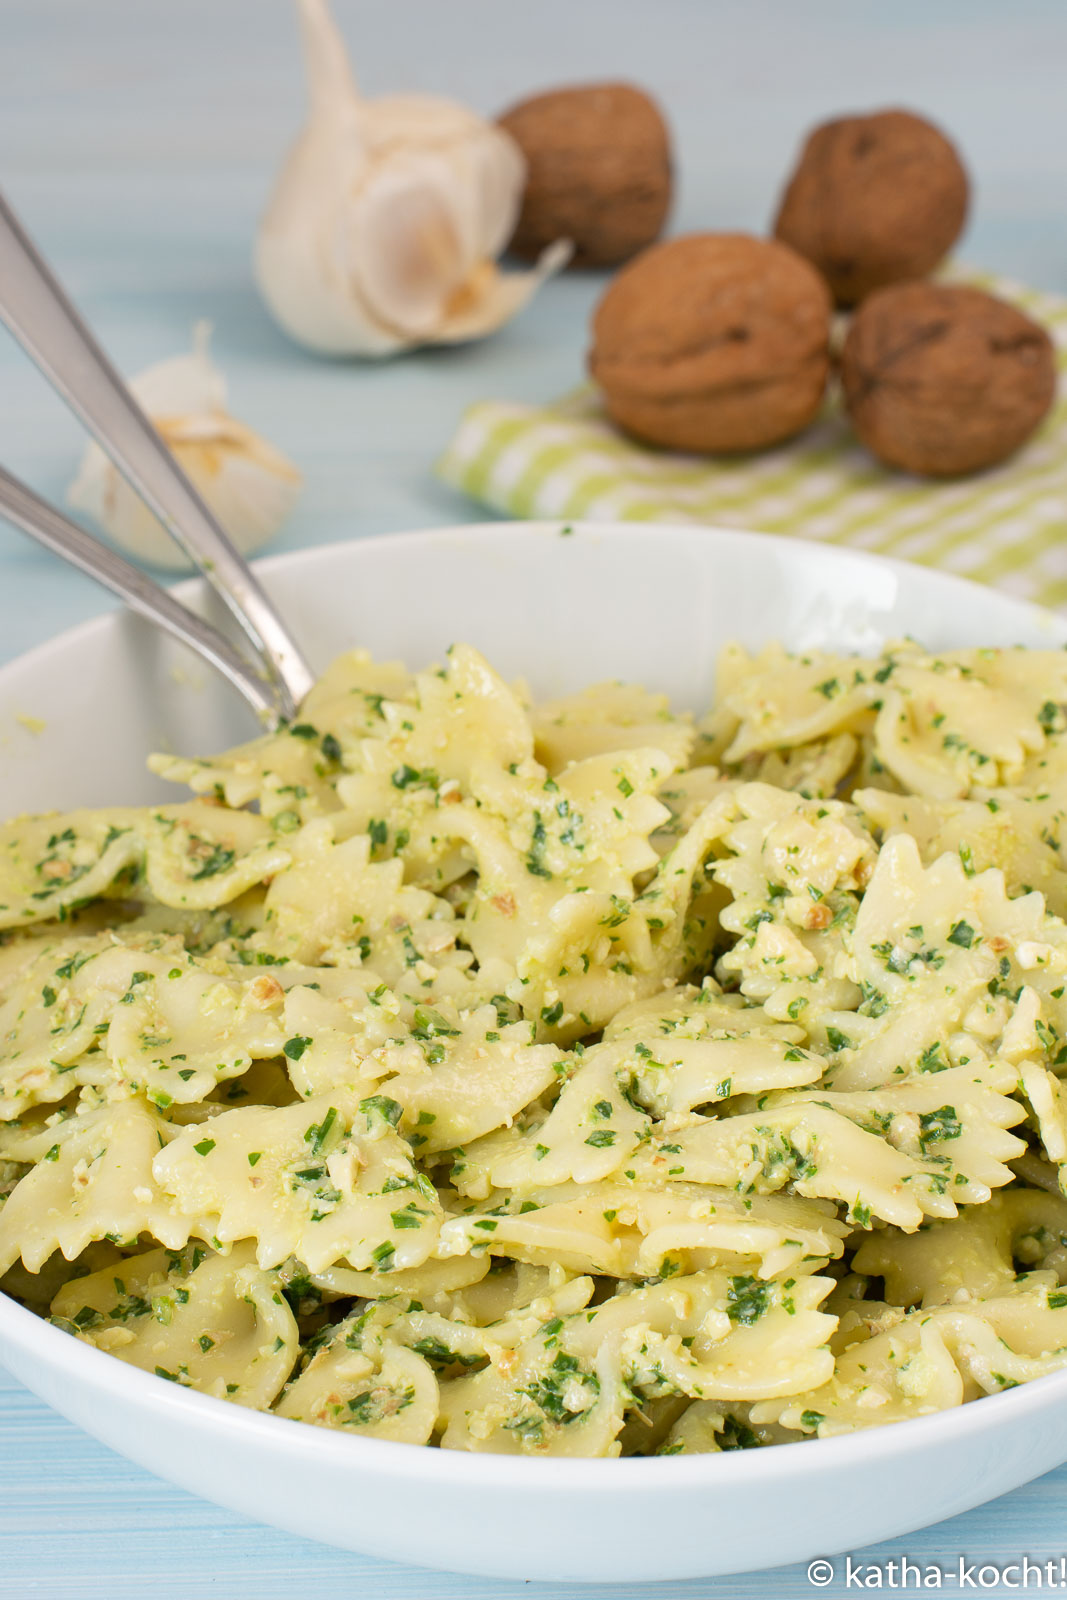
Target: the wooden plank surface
pixel 138 139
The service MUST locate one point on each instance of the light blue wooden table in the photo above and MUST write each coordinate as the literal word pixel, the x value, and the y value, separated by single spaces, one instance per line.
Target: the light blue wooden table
pixel 138 140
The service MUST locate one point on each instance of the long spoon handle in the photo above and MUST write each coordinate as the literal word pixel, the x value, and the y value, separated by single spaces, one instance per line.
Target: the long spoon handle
pixel 38 313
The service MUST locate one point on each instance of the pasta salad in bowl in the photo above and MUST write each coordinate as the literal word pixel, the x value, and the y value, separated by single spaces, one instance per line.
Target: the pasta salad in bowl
pixel 628 1042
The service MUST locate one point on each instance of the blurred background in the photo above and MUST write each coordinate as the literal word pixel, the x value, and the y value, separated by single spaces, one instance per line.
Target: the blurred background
pixel 139 141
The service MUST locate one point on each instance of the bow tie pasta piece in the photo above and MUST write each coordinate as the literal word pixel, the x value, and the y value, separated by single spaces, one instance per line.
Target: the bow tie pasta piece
pixel 599 824
pixel 972 1256
pixel 331 1041
pixel 630 1232
pixel 464 735
pixel 199 855
pixel 334 905
pixel 932 1360
pixel 607 717
pixel 915 918
pixel 796 870
pixel 359 1380
pixel 54 1014
pixel 586 834
pixel 953 1124
pixel 94 1183
pixel 600 952
pixel 524 1298
pixel 50 863
pixel 209 1322
pixel 292 774
pixel 817 770
pixel 773 700
pixel 689 1228
pixel 222 1025
pixel 325 1180
pixel 678 1075
pixel 922 1033
pixel 512 1290
pixel 795 851
pixel 952 723
pixel 907 1371
pixel 471 1076
pixel 592 1128
pixel 347 700
pixel 365 1383
pixel 603 1112
pixel 936 950
pixel 435 1283
pixel 1021 834
pixel 685 1011
pixel 569 1226
pixel 462 718
pixel 695 1047
pixel 555 897
pixel 1025 1334
pixel 100 1014
pixel 454 1076
pixel 705 1428
pixel 190 856
pixel 913 1149
pixel 37 1290
pixel 567 1390
pixel 1033 1043
pixel 219 932
pixel 944 723
pixel 290 777
pixel 1047 1099
pixel 26 1139
pixel 20 951
pixel 1033 677
pixel 807 1148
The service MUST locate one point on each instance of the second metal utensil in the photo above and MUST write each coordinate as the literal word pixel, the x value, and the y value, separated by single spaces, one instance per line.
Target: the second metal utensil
pixel 142 594
pixel 39 314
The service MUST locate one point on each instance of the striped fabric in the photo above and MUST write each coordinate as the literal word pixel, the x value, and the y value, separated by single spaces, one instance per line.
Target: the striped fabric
pixel 1007 526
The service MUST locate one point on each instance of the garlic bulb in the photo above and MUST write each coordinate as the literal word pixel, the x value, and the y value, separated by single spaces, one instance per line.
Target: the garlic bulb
pixel 250 486
pixel 387 217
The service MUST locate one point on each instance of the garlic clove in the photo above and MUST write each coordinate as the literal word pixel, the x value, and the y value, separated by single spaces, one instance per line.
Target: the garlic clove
pixel 248 484
pixel 407 248
pixel 387 216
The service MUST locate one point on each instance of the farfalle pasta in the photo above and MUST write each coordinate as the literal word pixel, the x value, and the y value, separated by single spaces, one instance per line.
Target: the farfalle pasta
pixel 581 1078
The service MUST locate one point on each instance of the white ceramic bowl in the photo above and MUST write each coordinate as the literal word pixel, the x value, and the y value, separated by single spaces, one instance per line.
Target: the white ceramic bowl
pixel 562 608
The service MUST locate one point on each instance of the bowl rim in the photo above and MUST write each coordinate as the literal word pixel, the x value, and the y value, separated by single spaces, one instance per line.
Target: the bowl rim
pixel 195 588
pixel 31 1335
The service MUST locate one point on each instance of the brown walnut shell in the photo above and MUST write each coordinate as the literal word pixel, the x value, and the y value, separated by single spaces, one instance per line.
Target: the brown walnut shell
pixel 714 342
pixel 943 379
pixel 598 172
pixel 874 200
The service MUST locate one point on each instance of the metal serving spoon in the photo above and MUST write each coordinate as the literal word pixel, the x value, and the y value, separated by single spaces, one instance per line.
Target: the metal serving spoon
pixel 38 313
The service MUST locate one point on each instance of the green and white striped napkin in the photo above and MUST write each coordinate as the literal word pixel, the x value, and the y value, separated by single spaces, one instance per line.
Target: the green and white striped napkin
pixel 1006 526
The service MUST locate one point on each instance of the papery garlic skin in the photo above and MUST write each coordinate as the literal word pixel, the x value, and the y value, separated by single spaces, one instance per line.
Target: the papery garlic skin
pixel 248 484
pixel 387 217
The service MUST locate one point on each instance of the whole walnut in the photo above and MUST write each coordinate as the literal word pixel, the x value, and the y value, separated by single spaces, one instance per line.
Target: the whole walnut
pixel 942 379
pixel 874 200
pixel 598 171
pixel 713 342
